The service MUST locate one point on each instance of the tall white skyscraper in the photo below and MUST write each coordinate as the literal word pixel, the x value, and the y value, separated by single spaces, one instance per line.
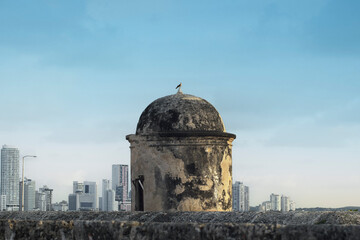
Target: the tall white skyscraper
pixel 10 176
pixel 275 202
pixel 108 197
pixel 105 186
pixel 285 204
pixel 240 197
pixel 40 201
pixel 29 194
pixel 111 203
pixel 120 181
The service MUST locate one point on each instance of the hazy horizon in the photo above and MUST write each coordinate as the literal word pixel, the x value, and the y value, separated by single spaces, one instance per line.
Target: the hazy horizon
pixel 284 76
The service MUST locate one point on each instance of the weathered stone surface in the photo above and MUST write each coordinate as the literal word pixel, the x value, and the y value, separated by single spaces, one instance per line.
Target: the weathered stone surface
pixel 186 174
pixel 181 157
pixel 180 225
pixel 179 112
pixel 288 218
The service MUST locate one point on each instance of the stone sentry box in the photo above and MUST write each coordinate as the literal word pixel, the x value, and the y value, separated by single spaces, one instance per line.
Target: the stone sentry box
pixel 181 157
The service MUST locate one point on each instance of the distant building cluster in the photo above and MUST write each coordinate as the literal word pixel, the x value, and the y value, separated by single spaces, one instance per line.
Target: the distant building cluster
pixel 35 200
pixel 114 195
pixel 241 197
pixel 11 188
pixel 277 203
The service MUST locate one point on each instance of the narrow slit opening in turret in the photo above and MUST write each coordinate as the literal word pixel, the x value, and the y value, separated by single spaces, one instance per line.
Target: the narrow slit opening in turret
pixel 139 193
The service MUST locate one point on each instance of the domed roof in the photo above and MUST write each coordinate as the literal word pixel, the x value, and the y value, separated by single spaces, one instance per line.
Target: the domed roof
pixel 179 113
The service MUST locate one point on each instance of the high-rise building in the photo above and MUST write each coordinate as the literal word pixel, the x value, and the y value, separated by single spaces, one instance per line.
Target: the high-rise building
pixel 29 195
pixel 275 202
pixel 40 201
pixel 240 197
pixel 48 197
pixel 106 185
pixel 74 198
pixel 74 202
pixel 120 181
pixel 292 206
pixel 108 196
pixel 265 206
pixel 111 203
pixel 246 199
pixel 88 199
pixel 100 204
pixel 84 196
pixel 285 204
pixel 10 176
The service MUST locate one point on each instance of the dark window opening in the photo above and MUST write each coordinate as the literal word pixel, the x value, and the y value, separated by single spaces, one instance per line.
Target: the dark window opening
pixel 86 188
pixel 139 193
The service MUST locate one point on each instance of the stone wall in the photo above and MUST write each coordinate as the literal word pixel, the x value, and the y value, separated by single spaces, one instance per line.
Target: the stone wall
pixel 191 173
pixel 180 225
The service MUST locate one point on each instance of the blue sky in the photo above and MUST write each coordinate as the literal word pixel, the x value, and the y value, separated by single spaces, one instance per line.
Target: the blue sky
pixel 76 75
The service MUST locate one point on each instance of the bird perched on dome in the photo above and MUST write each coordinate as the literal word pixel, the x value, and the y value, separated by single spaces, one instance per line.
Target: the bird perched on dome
pixel 179 86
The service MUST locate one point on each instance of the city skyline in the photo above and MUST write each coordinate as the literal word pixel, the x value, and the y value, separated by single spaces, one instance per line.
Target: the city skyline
pixel 284 76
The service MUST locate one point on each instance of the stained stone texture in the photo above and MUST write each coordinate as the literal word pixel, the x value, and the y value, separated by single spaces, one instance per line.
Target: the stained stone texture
pixel 280 218
pixel 181 154
pixel 180 225
pixel 179 112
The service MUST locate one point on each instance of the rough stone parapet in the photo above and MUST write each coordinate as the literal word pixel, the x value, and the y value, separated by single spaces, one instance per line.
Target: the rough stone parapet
pixel 288 218
pixel 179 225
